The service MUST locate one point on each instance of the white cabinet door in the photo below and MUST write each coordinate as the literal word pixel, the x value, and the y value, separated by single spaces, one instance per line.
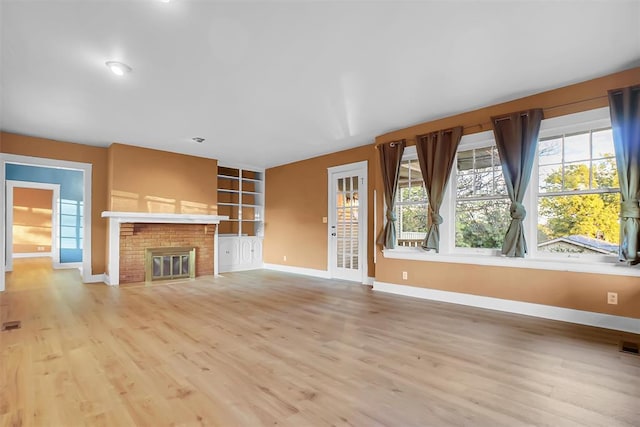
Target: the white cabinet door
pixel 239 253
pixel 227 247
pixel 245 251
pixel 256 252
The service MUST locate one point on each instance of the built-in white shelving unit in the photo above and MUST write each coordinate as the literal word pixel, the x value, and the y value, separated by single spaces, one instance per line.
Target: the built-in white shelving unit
pixel 241 198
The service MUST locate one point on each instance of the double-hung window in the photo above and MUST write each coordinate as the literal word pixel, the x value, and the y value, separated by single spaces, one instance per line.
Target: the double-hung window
pixel 411 202
pixel 481 201
pixel 578 197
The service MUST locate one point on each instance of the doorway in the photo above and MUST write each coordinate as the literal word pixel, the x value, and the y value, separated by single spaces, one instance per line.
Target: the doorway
pixel 347 220
pixel 83 209
pixel 32 221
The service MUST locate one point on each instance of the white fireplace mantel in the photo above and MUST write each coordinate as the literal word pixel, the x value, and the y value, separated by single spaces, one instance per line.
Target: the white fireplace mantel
pixel 163 218
pixel 117 218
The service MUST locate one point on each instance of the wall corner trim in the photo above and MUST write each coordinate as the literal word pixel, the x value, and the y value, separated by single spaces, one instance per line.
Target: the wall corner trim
pixel 607 321
pixel 298 270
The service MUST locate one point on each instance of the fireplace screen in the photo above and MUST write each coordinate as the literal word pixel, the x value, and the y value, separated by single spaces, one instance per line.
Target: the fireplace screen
pixel 169 263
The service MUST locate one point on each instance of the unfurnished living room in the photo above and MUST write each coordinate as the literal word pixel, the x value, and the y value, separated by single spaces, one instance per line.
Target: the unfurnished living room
pixel 319 213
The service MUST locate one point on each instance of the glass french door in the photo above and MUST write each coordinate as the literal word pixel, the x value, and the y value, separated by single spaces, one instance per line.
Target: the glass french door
pixel 347 227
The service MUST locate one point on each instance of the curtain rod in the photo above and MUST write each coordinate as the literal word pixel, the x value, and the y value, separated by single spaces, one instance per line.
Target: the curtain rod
pixel 508 116
pixel 551 108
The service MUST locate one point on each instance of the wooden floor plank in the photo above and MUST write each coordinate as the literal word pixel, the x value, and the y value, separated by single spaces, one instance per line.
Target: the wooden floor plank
pixel 266 348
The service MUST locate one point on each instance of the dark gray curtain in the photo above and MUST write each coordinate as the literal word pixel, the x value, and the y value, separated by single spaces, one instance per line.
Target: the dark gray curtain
pixel 624 106
pixel 390 158
pixel 517 140
pixel 436 151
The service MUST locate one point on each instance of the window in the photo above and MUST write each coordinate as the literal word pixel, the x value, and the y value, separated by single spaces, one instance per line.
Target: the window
pixel 578 195
pixel 482 204
pixel 71 224
pixel 411 202
pixel 572 201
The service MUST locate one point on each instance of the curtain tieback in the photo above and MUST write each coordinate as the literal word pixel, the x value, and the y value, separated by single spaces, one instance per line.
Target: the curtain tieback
pixel 517 211
pixel 391 215
pixel 436 218
pixel 630 209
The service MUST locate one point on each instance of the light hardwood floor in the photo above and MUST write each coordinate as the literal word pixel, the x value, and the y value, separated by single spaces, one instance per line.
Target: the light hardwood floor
pixel 265 348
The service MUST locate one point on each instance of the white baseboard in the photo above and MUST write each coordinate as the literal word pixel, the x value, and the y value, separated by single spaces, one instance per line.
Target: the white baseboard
pixel 107 280
pixel 32 255
pixel 240 267
pixel 63 265
pixel 608 321
pixel 96 278
pixel 298 270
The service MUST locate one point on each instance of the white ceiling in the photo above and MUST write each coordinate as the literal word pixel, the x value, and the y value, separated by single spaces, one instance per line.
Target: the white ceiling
pixel 268 82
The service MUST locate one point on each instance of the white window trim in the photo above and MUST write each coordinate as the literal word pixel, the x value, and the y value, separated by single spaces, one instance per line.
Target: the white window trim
pixel 573 265
pixel 597 264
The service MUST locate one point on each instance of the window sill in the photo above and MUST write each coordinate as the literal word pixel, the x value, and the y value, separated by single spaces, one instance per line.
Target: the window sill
pixel 564 264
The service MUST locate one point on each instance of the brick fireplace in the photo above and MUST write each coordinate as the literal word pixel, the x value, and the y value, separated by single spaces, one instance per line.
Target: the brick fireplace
pixel 135 238
pixel 131 234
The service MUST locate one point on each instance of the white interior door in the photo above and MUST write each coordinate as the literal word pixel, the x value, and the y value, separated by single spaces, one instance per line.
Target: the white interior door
pixel 347 222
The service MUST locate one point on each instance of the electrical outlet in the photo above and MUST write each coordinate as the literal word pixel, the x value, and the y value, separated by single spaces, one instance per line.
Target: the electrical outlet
pixel 405 275
pixel 612 298
pixel 284 258
pixel 40 248
pixel 324 219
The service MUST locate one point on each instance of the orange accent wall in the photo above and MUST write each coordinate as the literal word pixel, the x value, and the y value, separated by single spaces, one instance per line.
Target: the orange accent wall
pixel 96 156
pixel 157 181
pixel 32 208
pixel 296 200
pixel 579 291
pixel 145 180
pixel 557 102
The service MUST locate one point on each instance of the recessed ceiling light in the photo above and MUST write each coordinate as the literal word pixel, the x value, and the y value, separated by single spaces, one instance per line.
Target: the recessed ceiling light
pixel 118 68
pixel 198 139
pixel 165 1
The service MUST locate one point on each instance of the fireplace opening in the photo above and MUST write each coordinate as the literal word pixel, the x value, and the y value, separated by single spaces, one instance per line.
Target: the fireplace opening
pixel 170 263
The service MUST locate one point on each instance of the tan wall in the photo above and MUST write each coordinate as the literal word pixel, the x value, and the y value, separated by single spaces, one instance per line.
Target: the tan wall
pixel 580 291
pixel 563 289
pixel 297 200
pixel 32 210
pixel 96 156
pixel 145 180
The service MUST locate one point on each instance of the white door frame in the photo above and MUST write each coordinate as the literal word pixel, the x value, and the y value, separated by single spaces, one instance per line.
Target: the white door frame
pixel 358 168
pixel 55 215
pixel 86 168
